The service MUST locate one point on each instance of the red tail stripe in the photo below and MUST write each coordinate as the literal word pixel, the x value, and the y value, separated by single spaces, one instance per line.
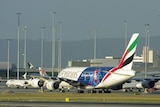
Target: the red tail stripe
pixel 122 60
pixel 114 69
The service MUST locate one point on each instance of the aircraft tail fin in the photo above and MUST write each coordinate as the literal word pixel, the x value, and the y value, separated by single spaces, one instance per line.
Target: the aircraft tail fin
pixel 127 58
pixel 25 75
pixel 42 71
pixel 30 65
pixel 128 55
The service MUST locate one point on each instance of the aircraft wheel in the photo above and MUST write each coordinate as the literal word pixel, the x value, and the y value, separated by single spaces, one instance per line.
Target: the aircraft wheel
pixel 125 90
pixel 131 90
pixel 92 91
pixel 139 90
pixel 26 87
pixel 80 91
pixel 61 90
pixel 100 91
pixel 106 91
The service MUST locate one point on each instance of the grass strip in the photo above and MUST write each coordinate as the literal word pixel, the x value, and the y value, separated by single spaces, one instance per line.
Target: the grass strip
pixel 85 97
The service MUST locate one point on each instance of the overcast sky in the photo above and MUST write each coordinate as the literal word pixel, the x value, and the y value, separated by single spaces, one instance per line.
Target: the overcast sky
pixel 79 17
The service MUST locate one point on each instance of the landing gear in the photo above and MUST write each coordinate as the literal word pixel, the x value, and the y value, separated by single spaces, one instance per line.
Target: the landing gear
pixel 139 90
pixel 127 90
pixel 92 91
pixel 104 91
pixel 41 89
pixel 61 90
pixel 80 91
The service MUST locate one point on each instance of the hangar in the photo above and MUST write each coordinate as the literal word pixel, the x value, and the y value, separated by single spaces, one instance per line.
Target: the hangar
pixel 4 67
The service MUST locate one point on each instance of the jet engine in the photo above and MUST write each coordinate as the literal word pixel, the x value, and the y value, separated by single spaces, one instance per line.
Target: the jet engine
pixel 52 85
pixel 146 84
pixel 36 83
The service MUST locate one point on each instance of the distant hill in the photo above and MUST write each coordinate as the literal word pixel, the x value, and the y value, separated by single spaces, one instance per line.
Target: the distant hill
pixel 71 50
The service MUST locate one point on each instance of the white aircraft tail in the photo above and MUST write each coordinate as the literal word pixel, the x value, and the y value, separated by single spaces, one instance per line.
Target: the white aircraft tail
pixel 126 61
pixel 42 72
pixel 30 65
pixel 25 75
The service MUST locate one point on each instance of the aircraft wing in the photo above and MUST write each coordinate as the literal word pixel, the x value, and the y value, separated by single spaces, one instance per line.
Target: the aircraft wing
pixel 148 82
pixel 71 82
pixel 154 74
pixel 147 78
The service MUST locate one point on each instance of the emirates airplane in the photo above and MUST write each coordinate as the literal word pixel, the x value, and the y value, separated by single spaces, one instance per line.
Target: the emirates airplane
pixel 102 78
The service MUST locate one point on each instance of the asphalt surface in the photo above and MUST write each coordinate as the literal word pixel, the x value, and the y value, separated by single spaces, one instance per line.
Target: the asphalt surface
pixel 63 104
pixel 77 104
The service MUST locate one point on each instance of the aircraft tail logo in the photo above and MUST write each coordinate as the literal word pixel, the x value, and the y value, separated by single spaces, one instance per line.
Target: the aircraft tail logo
pixel 42 72
pixel 127 58
pixel 30 65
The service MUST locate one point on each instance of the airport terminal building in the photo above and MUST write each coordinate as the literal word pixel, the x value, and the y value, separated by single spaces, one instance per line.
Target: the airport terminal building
pixel 4 67
pixel 151 59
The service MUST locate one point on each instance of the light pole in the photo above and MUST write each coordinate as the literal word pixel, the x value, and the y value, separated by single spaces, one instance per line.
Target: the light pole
pixel 8 40
pixel 146 48
pixel 60 48
pixel 42 44
pixel 125 39
pixel 53 43
pixel 25 43
pixel 95 43
pixel 18 50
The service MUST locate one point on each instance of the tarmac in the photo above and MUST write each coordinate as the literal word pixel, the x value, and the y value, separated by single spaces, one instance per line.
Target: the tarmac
pixel 72 104
pixel 3 88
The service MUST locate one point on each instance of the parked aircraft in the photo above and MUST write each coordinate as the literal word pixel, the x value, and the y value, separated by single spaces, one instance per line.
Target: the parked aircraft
pixel 18 83
pixel 92 78
pixel 131 86
pixel 149 83
pixel 49 82
pixel 137 86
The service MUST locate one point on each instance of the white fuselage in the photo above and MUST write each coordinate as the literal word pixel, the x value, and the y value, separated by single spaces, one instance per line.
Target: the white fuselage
pixel 17 83
pixel 115 78
pixel 72 73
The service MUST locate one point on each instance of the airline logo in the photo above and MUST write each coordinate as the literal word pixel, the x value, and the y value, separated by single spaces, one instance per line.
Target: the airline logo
pixel 92 75
pixel 42 72
pixel 129 54
pixel 127 57
pixel 71 73
pixel 96 78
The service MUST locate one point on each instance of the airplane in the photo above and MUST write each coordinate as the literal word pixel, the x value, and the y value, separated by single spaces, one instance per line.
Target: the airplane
pixel 131 86
pixel 104 78
pixel 140 86
pixel 51 83
pixel 140 82
pixel 18 83
pixel 156 87
pixel 26 82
